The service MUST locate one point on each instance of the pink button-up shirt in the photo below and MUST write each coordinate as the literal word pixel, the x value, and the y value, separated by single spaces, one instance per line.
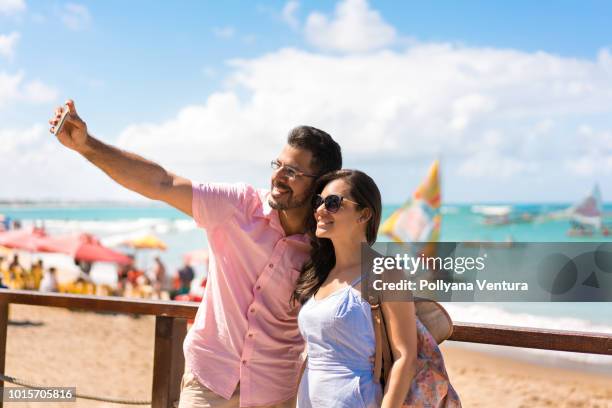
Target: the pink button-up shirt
pixel 245 329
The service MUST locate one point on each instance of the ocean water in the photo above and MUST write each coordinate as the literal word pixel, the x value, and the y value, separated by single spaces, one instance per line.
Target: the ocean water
pixel 114 224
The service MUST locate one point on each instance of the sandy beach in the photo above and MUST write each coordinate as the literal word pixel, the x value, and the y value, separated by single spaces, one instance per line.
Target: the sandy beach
pixel 487 380
pixel 112 356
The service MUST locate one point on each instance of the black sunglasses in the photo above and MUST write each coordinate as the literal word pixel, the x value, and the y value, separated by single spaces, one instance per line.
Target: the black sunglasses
pixel 332 202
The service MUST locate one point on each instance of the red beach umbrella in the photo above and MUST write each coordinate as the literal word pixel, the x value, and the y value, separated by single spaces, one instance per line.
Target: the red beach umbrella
pixel 29 239
pixel 84 247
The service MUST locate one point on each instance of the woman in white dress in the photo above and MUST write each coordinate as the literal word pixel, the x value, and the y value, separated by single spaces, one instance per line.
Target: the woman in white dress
pixel 335 320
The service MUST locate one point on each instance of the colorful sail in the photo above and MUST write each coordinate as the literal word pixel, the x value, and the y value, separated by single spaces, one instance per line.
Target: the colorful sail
pixel 419 219
pixel 588 212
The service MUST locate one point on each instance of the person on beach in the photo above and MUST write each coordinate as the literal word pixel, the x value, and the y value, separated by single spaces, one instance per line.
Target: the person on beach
pixel 159 276
pixel 49 281
pixel 244 347
pixel 36 274
pixel 335 321
pixel 16 273
pixel 4 274
pixel 185 276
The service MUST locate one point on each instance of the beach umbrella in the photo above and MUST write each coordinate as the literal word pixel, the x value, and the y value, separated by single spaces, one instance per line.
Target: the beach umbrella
pixel 146 242
pixel 199 256
pixel 83 247
pixel 29 239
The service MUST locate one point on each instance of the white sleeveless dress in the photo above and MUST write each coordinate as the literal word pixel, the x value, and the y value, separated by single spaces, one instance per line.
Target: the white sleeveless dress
pixel 340 343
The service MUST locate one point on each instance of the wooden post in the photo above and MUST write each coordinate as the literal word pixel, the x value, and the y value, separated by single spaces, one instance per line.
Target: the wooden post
pixel 169 361
pixel 4 316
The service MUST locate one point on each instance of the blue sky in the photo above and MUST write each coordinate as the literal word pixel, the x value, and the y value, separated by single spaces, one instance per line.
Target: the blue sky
pixel 513 96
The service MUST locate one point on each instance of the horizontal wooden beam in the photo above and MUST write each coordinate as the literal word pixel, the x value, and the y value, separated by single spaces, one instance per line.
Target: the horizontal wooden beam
pixel 515 336
pixel 185 310
pixel 532 337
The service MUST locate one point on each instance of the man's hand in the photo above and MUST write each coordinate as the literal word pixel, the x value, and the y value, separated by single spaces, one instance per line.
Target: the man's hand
pixel 128 169
pixel 73 133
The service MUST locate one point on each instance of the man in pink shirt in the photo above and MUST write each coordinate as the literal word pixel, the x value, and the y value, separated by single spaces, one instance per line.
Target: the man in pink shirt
pixel 244 346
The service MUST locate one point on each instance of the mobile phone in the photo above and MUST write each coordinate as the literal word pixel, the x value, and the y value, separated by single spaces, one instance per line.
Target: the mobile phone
pixel 62 120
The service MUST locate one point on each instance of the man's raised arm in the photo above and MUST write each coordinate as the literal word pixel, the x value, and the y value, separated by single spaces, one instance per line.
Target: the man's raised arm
pixel 128 169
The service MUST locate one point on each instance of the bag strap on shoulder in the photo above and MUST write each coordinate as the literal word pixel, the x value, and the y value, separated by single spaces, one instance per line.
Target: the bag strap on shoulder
pixel 378 328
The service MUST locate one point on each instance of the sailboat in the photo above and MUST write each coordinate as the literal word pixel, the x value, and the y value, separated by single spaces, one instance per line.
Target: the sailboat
pixel 586 216
pixel 419 219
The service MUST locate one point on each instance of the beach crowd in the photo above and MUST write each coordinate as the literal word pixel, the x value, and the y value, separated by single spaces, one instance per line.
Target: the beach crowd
pixel 131 281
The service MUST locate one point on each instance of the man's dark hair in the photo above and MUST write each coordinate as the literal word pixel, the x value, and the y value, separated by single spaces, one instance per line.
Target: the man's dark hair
pixel 326 153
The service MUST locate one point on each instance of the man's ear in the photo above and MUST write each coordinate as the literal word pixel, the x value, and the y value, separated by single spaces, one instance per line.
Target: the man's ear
pixel 366 214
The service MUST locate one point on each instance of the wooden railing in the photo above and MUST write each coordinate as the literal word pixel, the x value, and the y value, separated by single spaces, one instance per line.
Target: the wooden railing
pixel 171 327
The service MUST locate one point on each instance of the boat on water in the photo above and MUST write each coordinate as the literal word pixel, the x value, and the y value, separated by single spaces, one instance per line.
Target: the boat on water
pixel 586 216
pixel 502 215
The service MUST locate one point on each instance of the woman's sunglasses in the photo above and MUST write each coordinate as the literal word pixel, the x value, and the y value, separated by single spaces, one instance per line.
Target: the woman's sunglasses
pixel 332 202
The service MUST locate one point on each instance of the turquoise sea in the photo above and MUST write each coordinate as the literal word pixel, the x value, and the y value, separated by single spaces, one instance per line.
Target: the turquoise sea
pixel 114 223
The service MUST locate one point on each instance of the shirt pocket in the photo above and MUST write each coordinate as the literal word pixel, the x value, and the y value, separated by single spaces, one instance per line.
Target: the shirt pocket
pixel 280 287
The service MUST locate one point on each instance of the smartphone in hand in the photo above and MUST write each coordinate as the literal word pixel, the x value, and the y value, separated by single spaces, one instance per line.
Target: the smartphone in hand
pixel 62 119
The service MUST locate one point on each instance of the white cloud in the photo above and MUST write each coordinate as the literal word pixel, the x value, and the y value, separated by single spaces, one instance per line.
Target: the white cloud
pixel 41 168
pixel 10 7
pixel 596 165
pixel 493 113
pixel 288 14
pixel 532 119
pixel 467 107
pixel 13 89
pixel 76 17
pixel 544 126
pixel 593 153
pixel 485 165
pixel 224 32
pixel 353 28
pixel 38 92
pixel 15 141
pixel 8 43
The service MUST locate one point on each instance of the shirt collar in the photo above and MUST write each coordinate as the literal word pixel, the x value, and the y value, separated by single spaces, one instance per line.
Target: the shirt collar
pixel 271 213
pixel 275 223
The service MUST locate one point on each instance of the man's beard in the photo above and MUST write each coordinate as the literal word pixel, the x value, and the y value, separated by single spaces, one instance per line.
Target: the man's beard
pixel 292 201
pixel 290 204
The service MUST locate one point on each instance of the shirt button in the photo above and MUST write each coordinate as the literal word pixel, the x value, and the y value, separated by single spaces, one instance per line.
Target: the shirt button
pixel 271 265
pixel 252 310
pixel 258 287
pixel 250 334
pixel 244 362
